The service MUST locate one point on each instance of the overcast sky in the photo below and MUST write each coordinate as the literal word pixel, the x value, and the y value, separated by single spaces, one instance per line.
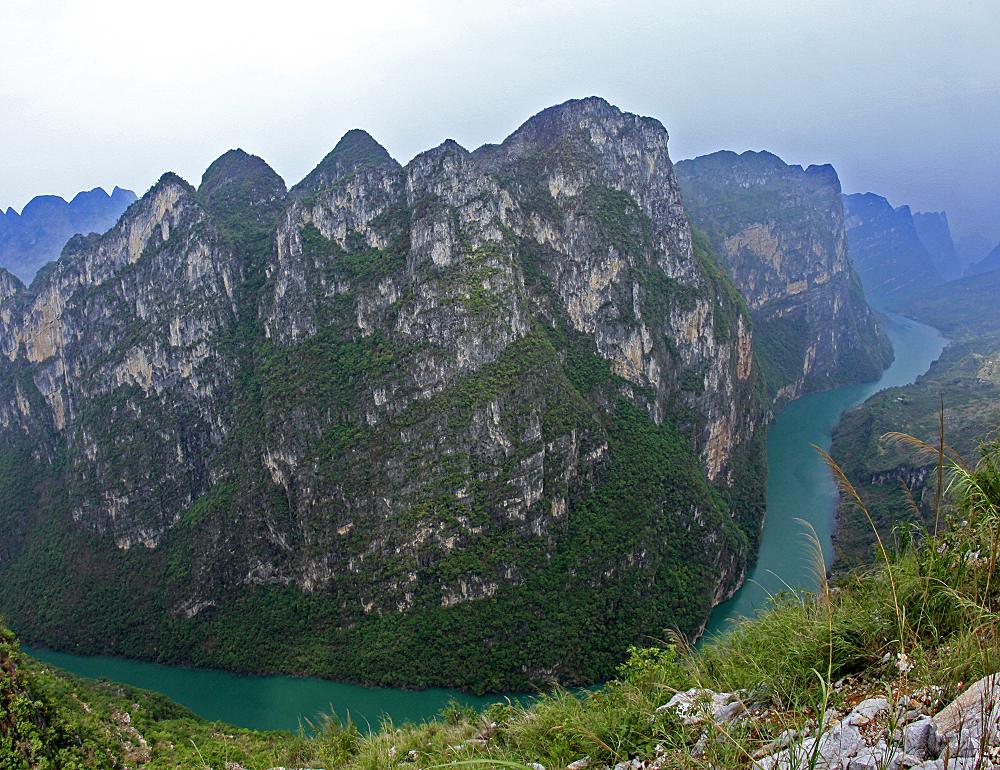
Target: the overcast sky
pixel 902 97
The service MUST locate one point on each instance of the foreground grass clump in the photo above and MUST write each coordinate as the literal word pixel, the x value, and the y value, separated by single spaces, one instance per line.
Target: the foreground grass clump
pixel 923 619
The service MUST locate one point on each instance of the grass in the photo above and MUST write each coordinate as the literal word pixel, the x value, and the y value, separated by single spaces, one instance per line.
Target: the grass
pixel 923 617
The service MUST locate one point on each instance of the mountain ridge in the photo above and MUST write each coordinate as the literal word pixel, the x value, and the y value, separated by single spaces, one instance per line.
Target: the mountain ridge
pixel 395 408
pixel 36 235
pixel 779 230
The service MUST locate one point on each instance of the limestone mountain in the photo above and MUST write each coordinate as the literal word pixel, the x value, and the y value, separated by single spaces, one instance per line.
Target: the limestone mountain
pixel 780 232
pixel 485 419
pixel 972 247
pixel 935 233
pixel 37 235
pixel 886 249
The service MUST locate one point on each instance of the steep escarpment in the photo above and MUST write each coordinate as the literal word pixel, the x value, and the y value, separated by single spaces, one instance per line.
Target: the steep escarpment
pixel 886 250
pixel 451 422
pixel 780 232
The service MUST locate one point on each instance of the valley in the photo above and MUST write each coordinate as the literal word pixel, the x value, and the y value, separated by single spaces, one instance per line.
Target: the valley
pixel 799 487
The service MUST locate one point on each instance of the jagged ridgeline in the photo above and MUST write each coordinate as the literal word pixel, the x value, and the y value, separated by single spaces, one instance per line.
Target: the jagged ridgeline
pixel 779 230
pixel 482 420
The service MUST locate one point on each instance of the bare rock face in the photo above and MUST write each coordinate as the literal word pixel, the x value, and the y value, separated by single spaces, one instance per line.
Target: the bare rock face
pixel 780 232
pixel 483 420
pixel 886 249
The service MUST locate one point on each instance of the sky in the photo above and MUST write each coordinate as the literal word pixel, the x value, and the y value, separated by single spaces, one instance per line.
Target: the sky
pixel 903 98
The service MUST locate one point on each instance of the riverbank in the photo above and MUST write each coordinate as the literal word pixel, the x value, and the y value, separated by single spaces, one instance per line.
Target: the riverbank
pixel 800 488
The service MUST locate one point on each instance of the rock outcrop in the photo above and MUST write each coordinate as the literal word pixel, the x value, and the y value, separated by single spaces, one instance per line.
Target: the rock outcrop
pixel 780 232
pixel 491 403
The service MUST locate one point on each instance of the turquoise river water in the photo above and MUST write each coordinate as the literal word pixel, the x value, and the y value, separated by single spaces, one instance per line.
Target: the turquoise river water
pixel 799 486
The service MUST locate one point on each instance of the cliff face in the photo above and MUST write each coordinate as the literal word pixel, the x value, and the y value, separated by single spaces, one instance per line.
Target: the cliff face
pixel 487 404
pixel 886 250
pixel 780 232
pixel 935 233
pixel 37 235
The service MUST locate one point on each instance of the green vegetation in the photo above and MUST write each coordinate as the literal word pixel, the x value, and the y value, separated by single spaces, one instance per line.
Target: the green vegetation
pixel 899 486
pixel 924 616
pixel 414 471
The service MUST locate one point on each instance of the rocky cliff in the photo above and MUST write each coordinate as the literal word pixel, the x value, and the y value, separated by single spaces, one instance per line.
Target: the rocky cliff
pixel 886 250
pixel 448 422
pixel 37 235
pixel 780 232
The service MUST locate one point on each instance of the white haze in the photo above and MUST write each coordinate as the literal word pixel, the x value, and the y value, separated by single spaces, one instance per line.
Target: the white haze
pixel 902 97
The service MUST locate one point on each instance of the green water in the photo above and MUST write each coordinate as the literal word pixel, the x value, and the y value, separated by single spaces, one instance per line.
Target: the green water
pixel 799 486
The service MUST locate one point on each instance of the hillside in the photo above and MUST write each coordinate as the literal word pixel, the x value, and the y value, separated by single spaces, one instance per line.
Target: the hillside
pixel 37 235
pixel 863 674
pixel 965 381
pixel 988 264
pixel 779 230
pixel 484 420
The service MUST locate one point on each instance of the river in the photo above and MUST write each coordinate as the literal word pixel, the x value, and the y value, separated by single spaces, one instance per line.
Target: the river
pixel 799 487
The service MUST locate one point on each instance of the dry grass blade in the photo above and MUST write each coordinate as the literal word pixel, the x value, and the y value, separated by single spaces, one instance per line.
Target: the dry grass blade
pixel 846 487
pixel 923 448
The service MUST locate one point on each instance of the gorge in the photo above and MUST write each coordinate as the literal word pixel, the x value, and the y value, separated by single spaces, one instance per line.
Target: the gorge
pixel 448 423
pixel 799 487
pixel 410 406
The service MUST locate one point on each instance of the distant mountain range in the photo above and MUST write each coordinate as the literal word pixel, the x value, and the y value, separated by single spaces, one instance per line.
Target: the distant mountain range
pixel 37 235
pixel 900 253
pixel 886 248
pixel 972 248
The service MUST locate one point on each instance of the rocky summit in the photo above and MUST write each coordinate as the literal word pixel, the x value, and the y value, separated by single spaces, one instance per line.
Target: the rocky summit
pixel 779 231
pixel 484 420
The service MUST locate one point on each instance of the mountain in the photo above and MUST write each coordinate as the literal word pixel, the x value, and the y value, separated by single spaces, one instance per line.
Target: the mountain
pixel 935 234
pixel 972 247
pixel 780 232
pixel 886 250
pixel 37 235
pixel 483 420
pixel 987 264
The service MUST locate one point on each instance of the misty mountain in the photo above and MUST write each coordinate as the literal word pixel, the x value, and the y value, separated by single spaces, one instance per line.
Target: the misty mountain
pixel 972 247
pixel 779 231
pixel 886 249
pixel 37 235
pixel 987 264
pixel 934 232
